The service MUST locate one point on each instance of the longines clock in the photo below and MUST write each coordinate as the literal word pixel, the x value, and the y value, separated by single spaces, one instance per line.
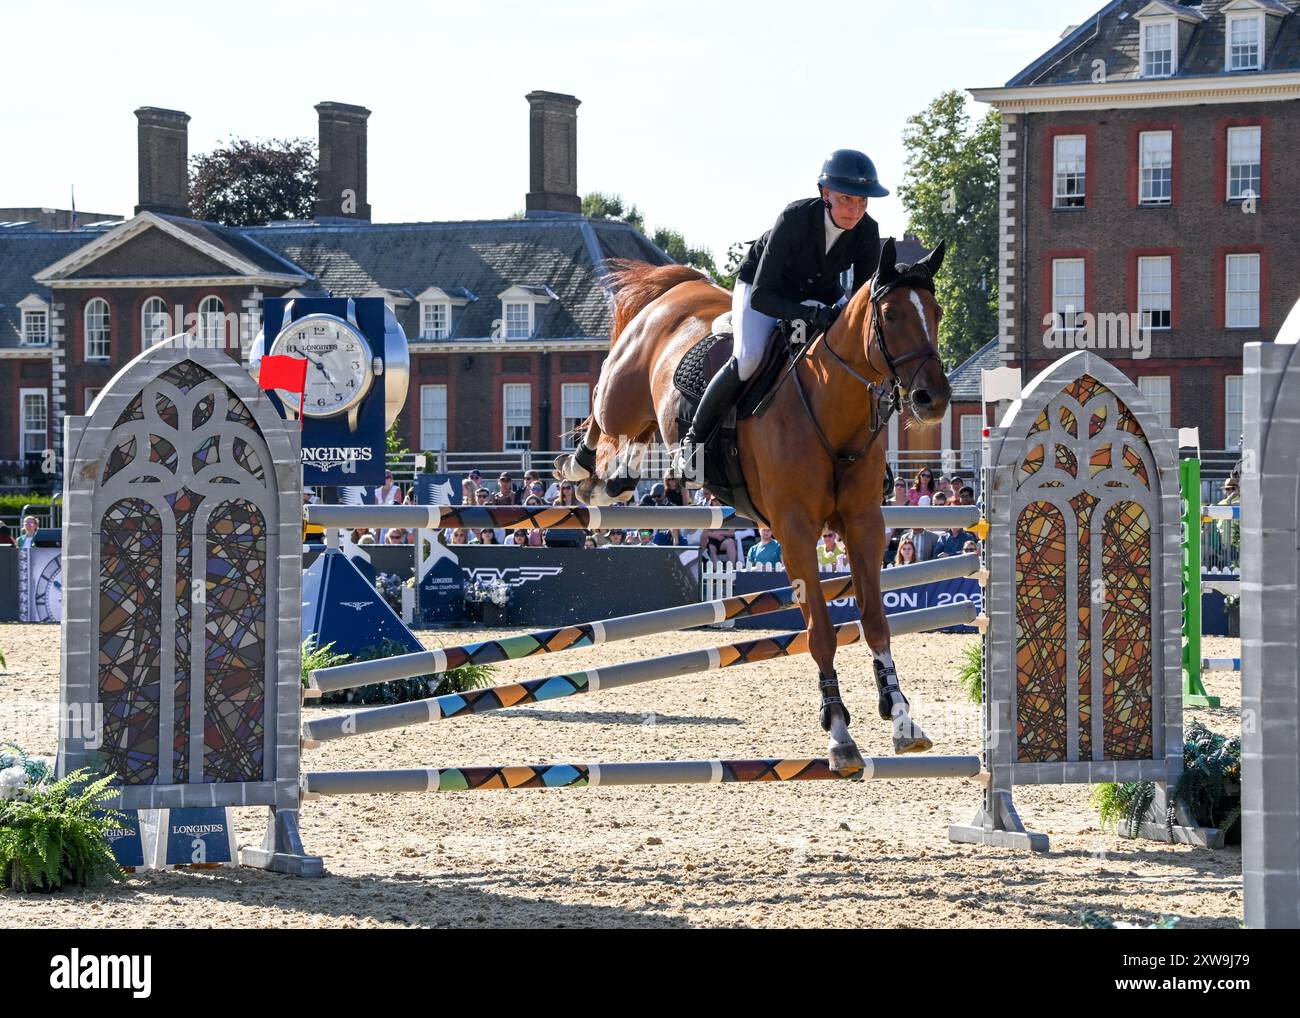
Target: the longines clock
pixel 358 369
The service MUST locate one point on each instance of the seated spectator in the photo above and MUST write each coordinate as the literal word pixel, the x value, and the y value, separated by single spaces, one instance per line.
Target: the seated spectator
pixel 566 494
pixel 952 542
pixel 939 498
pixel 517 539
pixel 396 535
pixel 900 493
pixel 830 550
pixel 468 492
pixel 459 536
pixel 617 539
pixel 658 496
pixel 536 538
pixel 673 490
pixel 534 500
pixel 367 539
pixel 719 546
pixel 906 553
pixel 944 489
pixel 970 546
pixel 924 543
pixel 766 551
pixel 487 536
pixel 590 541
pixel 924 485
pixel 388 493
pixel 483 496
pixel 476 478
pixel 537 490
pixel 505 493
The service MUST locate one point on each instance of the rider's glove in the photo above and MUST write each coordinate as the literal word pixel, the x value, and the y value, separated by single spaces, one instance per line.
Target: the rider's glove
pixel 821 319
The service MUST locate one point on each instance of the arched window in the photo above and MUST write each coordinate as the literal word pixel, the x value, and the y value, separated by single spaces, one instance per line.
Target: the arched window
pixel 97 329
pixel 155 323
pixel 212 320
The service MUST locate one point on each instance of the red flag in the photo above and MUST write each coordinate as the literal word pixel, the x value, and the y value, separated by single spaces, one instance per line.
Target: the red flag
pixel 283 372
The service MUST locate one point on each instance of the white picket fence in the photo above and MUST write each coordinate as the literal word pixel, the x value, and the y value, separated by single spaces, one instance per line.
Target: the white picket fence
pixel 718 580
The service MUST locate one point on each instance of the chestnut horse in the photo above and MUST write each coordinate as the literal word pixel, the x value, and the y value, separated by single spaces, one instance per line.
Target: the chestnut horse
pixel 813 459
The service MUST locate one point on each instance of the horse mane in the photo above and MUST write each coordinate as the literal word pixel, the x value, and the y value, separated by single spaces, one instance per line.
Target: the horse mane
pixel 634 284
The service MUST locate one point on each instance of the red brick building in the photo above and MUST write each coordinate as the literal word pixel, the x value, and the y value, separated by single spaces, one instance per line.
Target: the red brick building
pixel 1149 198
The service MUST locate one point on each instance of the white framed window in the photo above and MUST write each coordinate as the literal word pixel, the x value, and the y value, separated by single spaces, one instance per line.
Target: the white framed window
pixel 36 328
pixel 575 407
pixel 212 320
pixel 435 320
pixel 35 418
pixel 1070 159
pixel 1156 389
pixel 1245 42
pixel 1156 162
pixel 155 322
pixel 98 329
pixel 1155 292
pixel 1234 421
pixel 517 403
pixel 1159 59
pixel 518 320
pixel 1242 297
pixel 972 438
pixel 1244 162
pixel 433 418
pixel 91 395
pixel 1068 281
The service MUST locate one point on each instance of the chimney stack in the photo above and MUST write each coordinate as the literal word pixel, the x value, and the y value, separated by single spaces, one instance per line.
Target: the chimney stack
pixel 164 153
pixel 552 153
pixel 341 174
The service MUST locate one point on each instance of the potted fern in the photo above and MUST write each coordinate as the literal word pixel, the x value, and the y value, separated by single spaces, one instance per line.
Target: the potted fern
pixel 53 833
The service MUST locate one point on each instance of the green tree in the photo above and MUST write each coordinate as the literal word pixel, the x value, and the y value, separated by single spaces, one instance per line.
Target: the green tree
pixel 246 182
pixel 735 255
pixel 950 192
pixel 598 205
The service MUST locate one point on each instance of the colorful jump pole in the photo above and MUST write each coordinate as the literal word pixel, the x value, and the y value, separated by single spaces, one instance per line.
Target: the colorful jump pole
pixel 627 627
pixel 594 775
pixel 554 687
pixel 590 517
pixel 1189 480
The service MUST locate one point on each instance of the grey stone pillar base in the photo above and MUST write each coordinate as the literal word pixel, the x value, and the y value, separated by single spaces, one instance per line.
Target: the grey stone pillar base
pixel 281 850
pixel 998 824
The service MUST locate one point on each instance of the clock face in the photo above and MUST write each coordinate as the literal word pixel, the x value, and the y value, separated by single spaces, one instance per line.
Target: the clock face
pixel 338 368
pixel 49 591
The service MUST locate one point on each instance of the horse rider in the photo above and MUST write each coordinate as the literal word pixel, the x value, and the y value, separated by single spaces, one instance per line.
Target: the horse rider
pixel 792 273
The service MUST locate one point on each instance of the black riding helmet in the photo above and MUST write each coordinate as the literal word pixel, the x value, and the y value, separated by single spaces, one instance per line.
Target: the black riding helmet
pixel 850 172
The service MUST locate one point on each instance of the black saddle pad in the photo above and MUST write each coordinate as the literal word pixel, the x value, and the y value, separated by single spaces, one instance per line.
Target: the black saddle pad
pixel 706 358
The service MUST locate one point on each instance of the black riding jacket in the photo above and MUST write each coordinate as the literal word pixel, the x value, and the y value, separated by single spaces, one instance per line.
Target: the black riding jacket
pixel 790 264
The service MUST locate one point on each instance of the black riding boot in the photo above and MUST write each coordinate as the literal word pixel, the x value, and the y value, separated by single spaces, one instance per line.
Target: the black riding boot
pixel 718 398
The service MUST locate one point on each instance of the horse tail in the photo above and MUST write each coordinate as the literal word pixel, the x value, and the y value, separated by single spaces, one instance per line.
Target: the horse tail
pixel 633 285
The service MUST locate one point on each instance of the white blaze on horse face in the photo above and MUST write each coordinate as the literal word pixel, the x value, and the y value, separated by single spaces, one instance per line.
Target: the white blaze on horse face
pixel 920 313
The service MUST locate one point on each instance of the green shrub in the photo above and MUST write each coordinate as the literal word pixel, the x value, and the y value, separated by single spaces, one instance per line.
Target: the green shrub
pixel 419 687
pixel 55 833
pixel 971 673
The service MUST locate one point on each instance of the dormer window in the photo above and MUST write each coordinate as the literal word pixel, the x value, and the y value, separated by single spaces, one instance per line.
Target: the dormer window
pixel 436 309
pixel 1158 54
pixel 519 309
pixel 1245 41
pixel 35 321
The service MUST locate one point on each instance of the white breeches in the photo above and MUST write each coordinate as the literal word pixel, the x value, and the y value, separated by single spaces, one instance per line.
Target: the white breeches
pixel 751 329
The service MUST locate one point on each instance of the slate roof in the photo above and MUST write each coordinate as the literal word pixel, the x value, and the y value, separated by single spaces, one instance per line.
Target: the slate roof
pixel 485 257
pixel 233 242
pixel 23 253
pixel 965 378
pixel 1112 35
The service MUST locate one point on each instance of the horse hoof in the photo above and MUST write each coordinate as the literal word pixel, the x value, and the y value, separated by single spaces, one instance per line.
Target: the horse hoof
pixel 567 468
pixel 909 738
pixel 844 759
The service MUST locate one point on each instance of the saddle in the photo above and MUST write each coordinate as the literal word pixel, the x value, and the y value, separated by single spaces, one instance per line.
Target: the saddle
pixel 723 475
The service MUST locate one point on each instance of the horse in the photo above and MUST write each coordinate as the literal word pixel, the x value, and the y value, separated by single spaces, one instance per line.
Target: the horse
pixel 812 459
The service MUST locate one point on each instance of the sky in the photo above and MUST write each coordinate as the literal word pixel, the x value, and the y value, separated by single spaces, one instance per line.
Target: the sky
pixel 710 117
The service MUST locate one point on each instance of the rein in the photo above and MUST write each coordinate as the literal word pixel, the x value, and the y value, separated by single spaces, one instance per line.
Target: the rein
pixel 888 397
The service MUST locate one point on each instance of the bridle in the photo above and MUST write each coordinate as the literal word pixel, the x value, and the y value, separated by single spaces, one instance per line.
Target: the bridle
pixel 889 396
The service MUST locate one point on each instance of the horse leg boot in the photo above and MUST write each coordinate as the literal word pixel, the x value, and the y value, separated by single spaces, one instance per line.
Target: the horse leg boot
pixel 581 463
pixel 843 755
pixel 864 535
